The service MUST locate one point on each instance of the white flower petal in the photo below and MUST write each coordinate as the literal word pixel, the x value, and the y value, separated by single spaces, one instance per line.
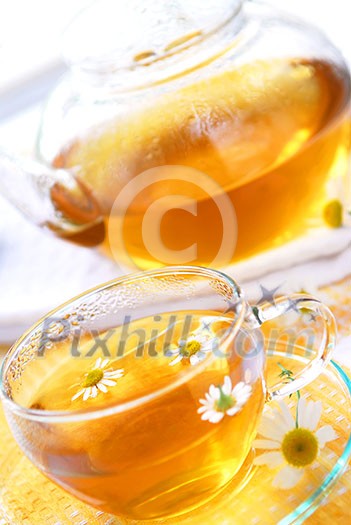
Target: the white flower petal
pixel 236 389
pixel 227 386
pixel 242 402
pixel 270 428
pixel 242 396
pixel 172 350
pixel 325 434
pixel 199 337
pixel 108 382
pixel 202 409
pixel 94 391
pixel 288 419
pixel 209 402
pixel 280 420
pixel 101 387
pixel 78 394
pixel 116 374
pixel 241 390
pixel 194 359
pixel 87 392
pixel 271 459
pixel 215 417
pixel 207 346
pixel 104 363
pixel 266 444
pixel 98 363
pixel 176 360
pixel 308 413
pixel 111 375
pixel 288 477
pixel 234 410
pixel 315 415
pixel 214 392
pixel 302 409
pixel 212 416
pixel 247 387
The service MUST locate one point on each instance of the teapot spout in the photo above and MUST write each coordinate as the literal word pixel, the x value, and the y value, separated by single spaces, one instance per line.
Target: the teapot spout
pixel 52 198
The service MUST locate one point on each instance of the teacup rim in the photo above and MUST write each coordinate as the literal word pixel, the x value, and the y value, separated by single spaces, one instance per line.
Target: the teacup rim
pixel 65 416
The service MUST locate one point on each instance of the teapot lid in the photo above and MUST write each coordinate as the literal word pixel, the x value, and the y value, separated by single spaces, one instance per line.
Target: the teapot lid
pixel 112 37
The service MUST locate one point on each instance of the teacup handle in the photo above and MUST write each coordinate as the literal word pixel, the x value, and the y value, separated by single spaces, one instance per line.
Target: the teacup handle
pixel 297 302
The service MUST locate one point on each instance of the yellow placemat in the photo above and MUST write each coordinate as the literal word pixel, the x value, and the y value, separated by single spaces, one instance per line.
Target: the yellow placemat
pixel 336 509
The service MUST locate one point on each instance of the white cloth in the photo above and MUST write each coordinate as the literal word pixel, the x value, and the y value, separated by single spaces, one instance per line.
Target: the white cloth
pixel 38 272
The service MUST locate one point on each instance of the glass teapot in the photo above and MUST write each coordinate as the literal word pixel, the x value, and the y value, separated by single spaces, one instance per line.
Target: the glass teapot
pixel 188 131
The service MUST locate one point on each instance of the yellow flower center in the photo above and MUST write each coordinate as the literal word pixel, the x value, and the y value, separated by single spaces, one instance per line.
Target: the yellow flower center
pixel 190 348
pixel 224 402
pixel 300 447
pixel 332 213
pixel 93 378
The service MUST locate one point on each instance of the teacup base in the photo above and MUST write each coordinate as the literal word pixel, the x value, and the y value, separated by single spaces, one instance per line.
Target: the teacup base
pixel 225 493
pixel 230 491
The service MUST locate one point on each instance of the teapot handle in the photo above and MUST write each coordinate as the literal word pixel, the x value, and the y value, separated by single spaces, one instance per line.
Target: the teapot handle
pixel 52 198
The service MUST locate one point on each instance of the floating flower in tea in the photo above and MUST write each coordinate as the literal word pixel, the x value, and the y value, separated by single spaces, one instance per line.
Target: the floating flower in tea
pixel 98 379
pixel 224 400
pixel 194 349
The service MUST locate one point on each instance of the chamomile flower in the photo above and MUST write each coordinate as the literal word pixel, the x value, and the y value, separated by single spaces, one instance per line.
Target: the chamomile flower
pixel 194 349
pixel 224 400
pixel 292 444
pixel 98 379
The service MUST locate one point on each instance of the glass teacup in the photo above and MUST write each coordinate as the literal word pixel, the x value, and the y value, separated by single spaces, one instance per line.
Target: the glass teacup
pixel 142 397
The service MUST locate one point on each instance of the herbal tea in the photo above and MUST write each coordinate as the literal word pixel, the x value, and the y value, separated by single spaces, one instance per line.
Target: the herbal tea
pixel 167 427
pixel 271 134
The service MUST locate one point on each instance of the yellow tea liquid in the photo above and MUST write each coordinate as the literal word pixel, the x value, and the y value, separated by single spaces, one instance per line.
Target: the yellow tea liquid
pixel 271 134
pixel 156 457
